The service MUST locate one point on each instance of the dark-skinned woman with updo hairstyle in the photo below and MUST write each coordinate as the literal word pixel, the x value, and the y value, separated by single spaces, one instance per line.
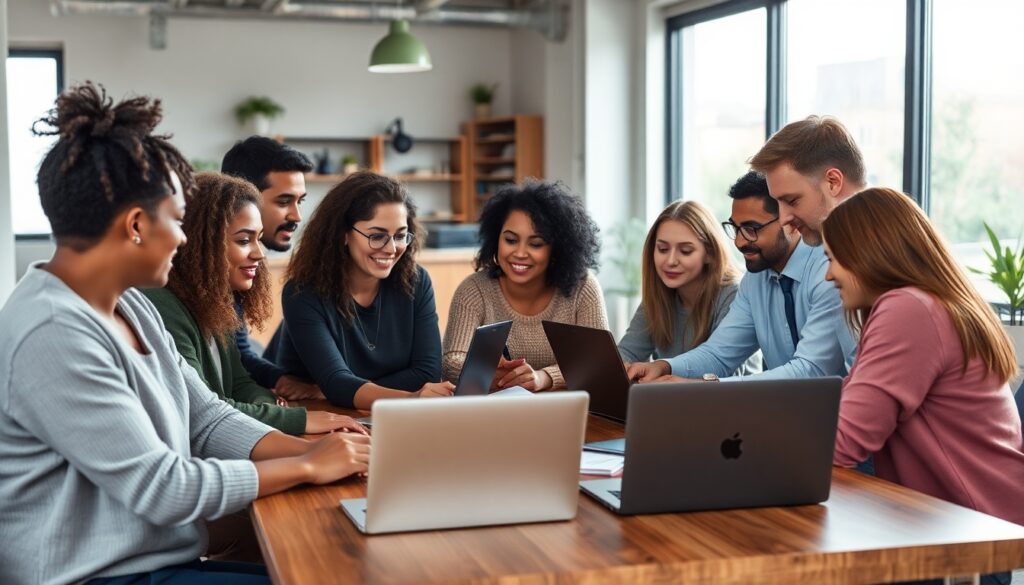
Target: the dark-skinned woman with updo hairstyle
pixel 113 452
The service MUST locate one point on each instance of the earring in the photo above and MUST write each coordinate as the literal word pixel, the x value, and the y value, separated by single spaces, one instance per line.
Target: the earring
pixel 136 240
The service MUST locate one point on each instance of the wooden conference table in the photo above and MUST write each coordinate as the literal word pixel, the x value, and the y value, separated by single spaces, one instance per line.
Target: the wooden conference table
pixel 869 531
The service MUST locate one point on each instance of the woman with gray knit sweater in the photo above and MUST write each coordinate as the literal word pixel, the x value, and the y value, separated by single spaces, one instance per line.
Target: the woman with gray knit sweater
pixel 113 452
pixel 538 246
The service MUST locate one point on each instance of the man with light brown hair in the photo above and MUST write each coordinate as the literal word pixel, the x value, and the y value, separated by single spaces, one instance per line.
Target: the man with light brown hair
pixel 811 165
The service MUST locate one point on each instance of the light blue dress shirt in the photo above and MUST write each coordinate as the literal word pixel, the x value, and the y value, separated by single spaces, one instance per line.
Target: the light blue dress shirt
pixel 757 319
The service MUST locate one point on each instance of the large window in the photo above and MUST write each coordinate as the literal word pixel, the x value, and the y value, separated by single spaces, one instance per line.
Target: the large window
pixel 831 69
pixel 929 89
pixel 723 92
pixel 977 166
pixel 34 79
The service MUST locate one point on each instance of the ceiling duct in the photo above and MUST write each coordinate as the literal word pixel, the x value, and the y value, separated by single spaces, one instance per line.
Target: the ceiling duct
pixel 548 17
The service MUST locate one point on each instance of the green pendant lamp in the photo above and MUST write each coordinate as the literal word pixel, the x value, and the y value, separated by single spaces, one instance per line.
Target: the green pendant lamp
pixel 400 52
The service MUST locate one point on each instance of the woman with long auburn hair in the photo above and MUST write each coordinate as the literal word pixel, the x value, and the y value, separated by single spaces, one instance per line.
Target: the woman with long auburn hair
pixel 689 282
pixel 359 314
pixel 224 261
pixel 927 396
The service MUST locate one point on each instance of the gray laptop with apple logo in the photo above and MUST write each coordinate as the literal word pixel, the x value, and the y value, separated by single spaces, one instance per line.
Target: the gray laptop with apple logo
pixel 716 445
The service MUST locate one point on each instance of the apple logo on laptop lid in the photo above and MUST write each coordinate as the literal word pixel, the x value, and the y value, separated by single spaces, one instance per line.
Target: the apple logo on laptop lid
pixel 732 447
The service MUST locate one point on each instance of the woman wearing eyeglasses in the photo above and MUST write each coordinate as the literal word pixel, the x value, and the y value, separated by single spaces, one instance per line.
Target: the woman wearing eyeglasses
pixel 689 283
pixel 359 314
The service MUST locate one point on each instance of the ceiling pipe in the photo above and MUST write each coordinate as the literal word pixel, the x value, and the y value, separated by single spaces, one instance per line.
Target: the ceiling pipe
pixel 425 6
pixel 273 6
pixel 547 18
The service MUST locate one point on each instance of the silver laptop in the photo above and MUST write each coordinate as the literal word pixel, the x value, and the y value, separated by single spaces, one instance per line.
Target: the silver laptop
pixel 589 360
pixel 706 445
pixel 486 462
pixel 481 362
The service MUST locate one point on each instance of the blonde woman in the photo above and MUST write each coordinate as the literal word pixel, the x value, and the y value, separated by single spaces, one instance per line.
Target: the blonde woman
pixel 928 395
pixel 689 282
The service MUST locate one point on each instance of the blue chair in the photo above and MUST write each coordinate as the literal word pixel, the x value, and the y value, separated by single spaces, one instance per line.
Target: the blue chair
pixel 1019 399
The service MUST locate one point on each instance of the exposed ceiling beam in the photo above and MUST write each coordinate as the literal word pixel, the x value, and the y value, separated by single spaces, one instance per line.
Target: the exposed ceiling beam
pixel 547 17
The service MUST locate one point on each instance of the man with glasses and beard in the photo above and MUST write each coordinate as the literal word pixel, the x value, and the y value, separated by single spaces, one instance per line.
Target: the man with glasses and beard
pixel 784 306
pixel 278 173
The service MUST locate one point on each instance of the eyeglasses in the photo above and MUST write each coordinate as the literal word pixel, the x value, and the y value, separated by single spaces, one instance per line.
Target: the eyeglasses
pixel 379 239
pixel 749 232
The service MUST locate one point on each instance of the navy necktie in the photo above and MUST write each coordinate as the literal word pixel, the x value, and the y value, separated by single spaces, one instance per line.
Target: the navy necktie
pixel 786 284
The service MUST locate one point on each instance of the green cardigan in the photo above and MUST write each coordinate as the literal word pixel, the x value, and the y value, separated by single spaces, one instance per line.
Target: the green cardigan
pixel 234 385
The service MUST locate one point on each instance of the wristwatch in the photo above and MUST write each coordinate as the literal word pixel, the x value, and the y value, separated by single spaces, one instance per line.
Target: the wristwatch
pixel 710 377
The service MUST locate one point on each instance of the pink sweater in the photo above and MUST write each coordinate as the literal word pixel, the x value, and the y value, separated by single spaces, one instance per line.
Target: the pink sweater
pixel 950 435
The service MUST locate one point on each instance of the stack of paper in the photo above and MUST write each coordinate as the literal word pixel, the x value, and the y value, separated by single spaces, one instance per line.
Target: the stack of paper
pixel 592 463
pixel 512 391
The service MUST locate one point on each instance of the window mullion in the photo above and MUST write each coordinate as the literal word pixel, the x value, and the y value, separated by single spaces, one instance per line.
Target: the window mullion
pixel 918 103
pixel 775 96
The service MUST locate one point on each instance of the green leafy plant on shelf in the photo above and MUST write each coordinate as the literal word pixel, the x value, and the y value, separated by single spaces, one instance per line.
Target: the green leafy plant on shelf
pixel 1006 271
pixel 482 93
pixel 349 164
pixel 257 106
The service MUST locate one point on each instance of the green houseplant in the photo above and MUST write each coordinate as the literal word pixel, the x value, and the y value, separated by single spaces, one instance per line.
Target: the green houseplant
pixel 482 96
pixel 260 110
pixel 349 164
pixel 626 239
pixel 1006 271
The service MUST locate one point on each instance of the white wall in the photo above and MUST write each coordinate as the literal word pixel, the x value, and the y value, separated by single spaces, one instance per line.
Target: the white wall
pixel 6 229
pixel 317 71
pixel 547 79
pixel 609 82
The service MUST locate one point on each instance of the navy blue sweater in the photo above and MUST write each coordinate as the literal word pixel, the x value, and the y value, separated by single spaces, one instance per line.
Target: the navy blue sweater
pixel 317 343
pixel 265 372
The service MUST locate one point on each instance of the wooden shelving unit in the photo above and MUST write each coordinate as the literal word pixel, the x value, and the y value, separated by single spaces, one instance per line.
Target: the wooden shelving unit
pixel 373 149
pixel 502 150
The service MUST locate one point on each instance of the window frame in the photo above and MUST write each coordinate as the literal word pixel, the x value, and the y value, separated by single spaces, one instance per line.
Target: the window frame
pixel 58 56
pixel 917 89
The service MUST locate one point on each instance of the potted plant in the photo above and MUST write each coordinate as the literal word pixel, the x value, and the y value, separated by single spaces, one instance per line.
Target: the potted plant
pixel 1006 271
pixel 349 164
pixel 260 110
pixel 482 96
pixel 627 241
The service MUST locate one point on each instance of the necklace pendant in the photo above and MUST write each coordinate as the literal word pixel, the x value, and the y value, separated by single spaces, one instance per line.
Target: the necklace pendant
pixel 372 346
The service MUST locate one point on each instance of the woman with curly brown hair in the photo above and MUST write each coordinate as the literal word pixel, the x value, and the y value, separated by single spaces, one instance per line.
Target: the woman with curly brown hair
pixel 359 314
pixel 537 248
pixel 113 453
pixel 223 259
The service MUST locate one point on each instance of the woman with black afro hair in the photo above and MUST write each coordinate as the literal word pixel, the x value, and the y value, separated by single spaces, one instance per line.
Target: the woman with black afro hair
pixel 113 453
pixel 537 248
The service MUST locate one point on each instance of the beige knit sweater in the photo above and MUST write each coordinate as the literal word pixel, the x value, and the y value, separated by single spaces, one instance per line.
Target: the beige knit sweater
pixel 479 301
